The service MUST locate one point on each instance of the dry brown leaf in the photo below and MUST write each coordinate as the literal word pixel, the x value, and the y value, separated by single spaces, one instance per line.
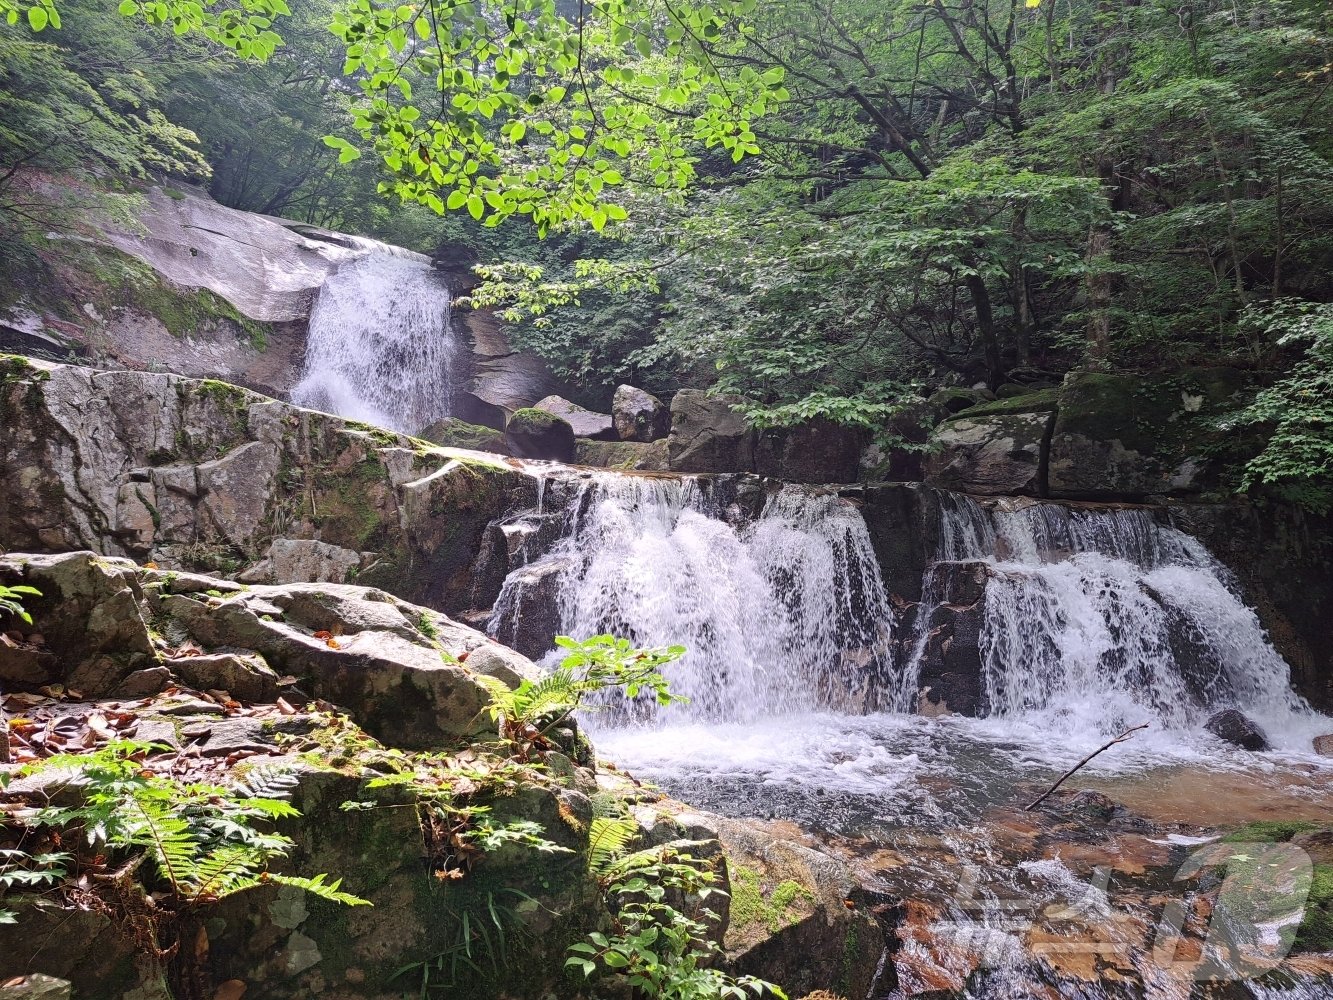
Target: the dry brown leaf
pixel 323 634
pixel 232 989
pixel 285 707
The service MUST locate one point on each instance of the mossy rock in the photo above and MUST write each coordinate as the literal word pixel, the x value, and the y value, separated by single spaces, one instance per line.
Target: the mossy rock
pixel 533 433
pixel 454 433
pixel 1040 401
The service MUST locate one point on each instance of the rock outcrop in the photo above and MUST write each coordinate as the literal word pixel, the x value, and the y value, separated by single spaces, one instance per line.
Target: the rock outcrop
pixel 203 475
pixel 169 280
pixel 1100 436
pixel 334 687
pixel 708 435
pixel 584 422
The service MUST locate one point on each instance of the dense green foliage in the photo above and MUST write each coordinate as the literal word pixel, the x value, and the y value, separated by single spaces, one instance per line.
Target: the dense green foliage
pixel 827 208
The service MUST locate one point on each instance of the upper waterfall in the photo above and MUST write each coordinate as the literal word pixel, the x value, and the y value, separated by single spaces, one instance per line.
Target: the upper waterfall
pixel 381 344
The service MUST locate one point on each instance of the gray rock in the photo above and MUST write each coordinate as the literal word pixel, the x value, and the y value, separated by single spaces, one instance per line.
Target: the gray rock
pixel 201 475
pixel 989 454
pixel 1236 728
pixel 639 415
pixel 454 433
pixel 246 677
pixel 37 987
pixel 1323 745
pixel 88 615
pixel 303 560
pixel 707 435
pixel 584 422
pixel 144 683
pixel 625 456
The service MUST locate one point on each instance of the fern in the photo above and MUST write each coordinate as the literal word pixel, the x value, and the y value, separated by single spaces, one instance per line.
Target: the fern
pixel 607 841
pixel 200 838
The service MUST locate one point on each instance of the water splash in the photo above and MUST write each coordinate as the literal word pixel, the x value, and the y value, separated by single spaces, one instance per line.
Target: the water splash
pixel 381 344
pixel 1095 620
pixel 781 612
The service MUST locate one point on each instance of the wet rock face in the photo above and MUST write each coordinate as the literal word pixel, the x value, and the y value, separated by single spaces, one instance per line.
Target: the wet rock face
pixel 639 415
pixel 1237 729
pixel 950 678
pixel 623 456
pixel 203 475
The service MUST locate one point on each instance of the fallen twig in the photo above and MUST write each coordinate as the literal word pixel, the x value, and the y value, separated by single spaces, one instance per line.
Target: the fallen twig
pixel 1068 774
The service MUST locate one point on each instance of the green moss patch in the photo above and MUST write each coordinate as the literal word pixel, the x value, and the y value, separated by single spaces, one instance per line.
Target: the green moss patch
pixel 776 910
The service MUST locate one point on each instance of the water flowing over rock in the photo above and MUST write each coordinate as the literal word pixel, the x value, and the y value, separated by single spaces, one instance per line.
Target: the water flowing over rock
pixel 1102 619
pixel 381 345
pixel 780 605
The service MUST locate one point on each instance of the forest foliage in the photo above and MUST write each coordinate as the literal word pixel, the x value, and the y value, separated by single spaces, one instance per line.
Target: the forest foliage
pixel 825 207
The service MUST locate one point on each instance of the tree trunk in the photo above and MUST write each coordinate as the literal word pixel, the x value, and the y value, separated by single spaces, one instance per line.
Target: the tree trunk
pixel 990 343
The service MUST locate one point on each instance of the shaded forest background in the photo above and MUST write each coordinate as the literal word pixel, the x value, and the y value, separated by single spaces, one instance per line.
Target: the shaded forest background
pixel 956 193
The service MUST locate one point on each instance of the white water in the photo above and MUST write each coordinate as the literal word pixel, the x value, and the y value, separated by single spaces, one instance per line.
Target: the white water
pixel 380 345
pixel 1094 621
pixel 1098 620
pixel 653 559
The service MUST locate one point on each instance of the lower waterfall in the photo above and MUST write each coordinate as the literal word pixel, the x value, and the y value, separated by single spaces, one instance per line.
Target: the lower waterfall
pixel 381 344
pixel 667 561
pixel 807 706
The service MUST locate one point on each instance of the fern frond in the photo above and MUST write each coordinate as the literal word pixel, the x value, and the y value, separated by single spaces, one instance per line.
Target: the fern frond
pixel 317 886
pixel 607 841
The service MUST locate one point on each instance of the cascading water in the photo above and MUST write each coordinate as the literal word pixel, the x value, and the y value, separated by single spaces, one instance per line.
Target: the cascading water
pixel 1097 620
pixel 1087 621
pixel 381 344
pixel 781 613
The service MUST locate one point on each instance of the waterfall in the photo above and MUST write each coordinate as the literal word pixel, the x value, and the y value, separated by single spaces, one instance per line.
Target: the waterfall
pixel 780 612
pixel 1095 620
pixel 380 344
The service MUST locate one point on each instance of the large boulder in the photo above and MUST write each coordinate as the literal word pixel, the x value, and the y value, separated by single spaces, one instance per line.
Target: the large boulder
pixel 401 670
pixel 708 435
pixel 990 454
pixel 454 433
pixel 584 422
pixel 1234 727
pixel 1126 436
pixel 534 433
pixel 623 456
pixel 639 415
pixel 203 475
pixel 818 451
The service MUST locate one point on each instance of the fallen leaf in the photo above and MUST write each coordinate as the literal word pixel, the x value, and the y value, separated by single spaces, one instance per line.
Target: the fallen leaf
pixel 285 707
pixel 461 657
pixel 150 565
pixel 232 989
pixel 332 643
pixel 99 725
pixel 323 634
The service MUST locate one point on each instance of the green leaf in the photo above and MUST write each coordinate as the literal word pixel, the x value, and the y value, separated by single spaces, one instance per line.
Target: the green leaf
pixel 37 18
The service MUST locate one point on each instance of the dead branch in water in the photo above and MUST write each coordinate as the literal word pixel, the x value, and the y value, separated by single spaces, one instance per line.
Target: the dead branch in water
pixel 1068 774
